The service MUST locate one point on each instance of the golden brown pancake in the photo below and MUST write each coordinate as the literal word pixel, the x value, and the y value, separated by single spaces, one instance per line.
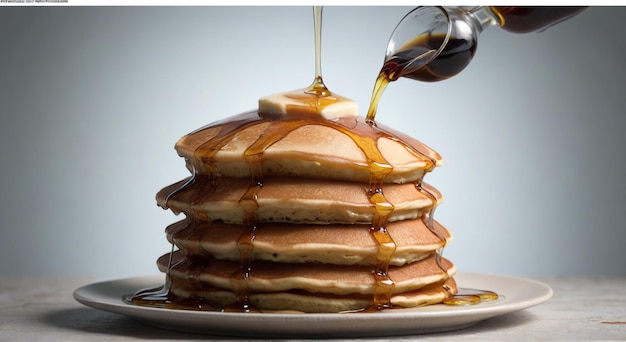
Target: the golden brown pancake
pixel 309 147
pixel 316 284
pixel 299 243
pixel 295 200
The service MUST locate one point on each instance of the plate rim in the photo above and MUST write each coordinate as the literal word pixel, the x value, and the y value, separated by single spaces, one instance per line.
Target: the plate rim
pixel 107 296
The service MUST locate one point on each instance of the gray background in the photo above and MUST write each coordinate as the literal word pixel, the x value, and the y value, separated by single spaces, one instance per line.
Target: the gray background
pixel 93 99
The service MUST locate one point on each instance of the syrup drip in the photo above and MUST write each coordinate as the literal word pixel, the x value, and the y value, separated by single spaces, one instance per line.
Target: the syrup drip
pixel 428 220
pixel 239 279
pixel 386 248
pixel 466 296
pixel 245 243
pixel 155 296
pixel 186 184
pixel 159 296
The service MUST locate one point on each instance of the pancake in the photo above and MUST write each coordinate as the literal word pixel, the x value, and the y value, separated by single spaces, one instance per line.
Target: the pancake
pixel 309 147
pixel 307 243
pixel 294 200
pixel 313 282
pixel 301 302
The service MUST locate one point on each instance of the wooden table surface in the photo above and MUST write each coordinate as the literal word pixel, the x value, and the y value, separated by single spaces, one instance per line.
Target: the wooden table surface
pixel 42 308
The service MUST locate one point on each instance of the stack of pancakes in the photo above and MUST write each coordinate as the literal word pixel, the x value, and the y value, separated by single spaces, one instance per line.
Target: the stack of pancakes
pixel 305 213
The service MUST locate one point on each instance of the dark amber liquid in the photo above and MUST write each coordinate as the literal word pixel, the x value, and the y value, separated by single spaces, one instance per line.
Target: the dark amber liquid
pixel 520 19
pixel 456 55
pixel 466 296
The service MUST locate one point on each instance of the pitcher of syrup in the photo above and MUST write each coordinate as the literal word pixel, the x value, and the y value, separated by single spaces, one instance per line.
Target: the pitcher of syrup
pixel 453 48
pixel 433 43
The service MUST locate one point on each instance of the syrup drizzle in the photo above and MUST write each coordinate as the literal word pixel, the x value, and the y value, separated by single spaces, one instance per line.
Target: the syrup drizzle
pixel 318 88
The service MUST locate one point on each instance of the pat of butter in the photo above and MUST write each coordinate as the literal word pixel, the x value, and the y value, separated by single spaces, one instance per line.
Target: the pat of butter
pixel 299 102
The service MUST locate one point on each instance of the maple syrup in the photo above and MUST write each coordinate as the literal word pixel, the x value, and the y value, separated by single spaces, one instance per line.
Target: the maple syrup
pixel 520 19
pixel 458 51
pixel 455 56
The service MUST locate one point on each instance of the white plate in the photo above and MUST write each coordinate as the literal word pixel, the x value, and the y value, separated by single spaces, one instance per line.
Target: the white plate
pixel 515 294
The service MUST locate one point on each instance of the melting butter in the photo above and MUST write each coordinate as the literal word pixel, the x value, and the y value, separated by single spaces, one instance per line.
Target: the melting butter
pixel 301 101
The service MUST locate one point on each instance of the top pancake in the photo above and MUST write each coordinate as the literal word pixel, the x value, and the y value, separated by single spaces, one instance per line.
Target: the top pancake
pixel 305 146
